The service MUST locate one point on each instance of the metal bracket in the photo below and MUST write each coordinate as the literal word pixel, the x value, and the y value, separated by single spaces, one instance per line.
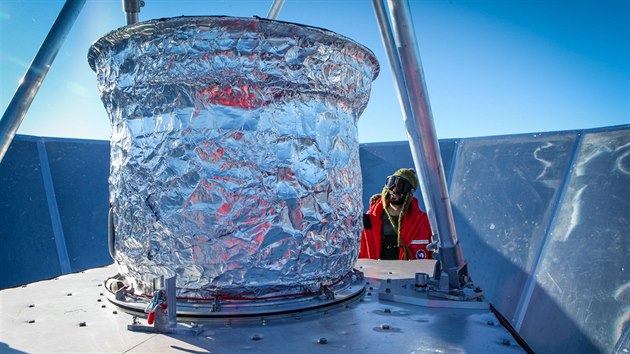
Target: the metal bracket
pixel 411 292
pixel 162 312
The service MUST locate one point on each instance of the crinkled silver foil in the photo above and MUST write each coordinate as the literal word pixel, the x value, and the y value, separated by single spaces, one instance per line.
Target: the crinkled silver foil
pixel 234 152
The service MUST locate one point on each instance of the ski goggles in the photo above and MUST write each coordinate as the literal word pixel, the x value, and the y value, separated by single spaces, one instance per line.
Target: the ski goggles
pixel 400 183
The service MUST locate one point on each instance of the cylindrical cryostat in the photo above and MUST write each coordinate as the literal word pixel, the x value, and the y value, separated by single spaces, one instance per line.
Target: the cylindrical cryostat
pixel 234 152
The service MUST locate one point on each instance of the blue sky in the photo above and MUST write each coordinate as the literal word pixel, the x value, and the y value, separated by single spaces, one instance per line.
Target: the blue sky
pixel 492 67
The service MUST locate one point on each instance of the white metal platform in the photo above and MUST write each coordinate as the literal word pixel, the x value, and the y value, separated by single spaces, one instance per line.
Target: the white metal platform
pixel 70 314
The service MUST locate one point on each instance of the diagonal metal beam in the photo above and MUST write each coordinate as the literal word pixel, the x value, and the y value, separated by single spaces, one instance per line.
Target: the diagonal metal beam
pixel 401 46
pixel 32 80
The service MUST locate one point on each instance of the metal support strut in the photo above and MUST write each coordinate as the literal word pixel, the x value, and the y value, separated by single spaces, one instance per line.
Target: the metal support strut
pixel 132 10
pixel 451 274
pixel 34 76
pixel 274 11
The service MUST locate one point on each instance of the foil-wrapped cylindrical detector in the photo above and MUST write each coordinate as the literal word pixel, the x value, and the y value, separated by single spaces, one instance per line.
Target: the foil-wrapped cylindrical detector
pixel 234 152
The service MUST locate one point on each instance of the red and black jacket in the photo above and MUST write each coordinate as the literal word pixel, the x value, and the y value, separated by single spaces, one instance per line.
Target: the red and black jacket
pixel 415 232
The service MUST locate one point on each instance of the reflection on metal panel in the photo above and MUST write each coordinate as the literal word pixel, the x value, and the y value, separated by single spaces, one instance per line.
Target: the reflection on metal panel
pixel 503 196
pixel 584 279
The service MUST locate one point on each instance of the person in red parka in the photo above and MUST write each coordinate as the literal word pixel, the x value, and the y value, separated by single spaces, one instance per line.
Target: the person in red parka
pixel 394 227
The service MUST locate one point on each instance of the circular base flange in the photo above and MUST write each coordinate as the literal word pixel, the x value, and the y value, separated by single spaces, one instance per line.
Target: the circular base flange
pixel 350 289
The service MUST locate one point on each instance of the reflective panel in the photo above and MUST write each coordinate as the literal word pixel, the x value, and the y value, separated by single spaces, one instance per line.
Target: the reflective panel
pixel 79 170
pixel 27 242
pixel 583 284
pixel 503 198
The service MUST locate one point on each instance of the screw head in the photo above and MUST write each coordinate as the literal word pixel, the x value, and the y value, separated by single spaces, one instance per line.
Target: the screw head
pixel 256 336
pixel 387 310
pixel 385 326
pixel 82 324
pixel 322 341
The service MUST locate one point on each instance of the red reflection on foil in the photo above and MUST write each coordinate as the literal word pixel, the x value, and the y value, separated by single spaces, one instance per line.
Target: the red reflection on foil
pixel 237 96
pixel 224 210
pixel 201 194
pixel 296 217
pixel 208 151
pixel 285 174
pixel 198 256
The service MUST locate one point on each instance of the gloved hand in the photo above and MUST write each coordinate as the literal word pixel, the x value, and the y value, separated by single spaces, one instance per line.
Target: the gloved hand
pixel 374 198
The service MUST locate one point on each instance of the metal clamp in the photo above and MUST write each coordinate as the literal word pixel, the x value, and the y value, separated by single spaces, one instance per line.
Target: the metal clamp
pixel 163 311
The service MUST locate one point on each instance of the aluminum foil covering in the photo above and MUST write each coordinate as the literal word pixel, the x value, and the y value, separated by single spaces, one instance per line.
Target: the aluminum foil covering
pixel 234 152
